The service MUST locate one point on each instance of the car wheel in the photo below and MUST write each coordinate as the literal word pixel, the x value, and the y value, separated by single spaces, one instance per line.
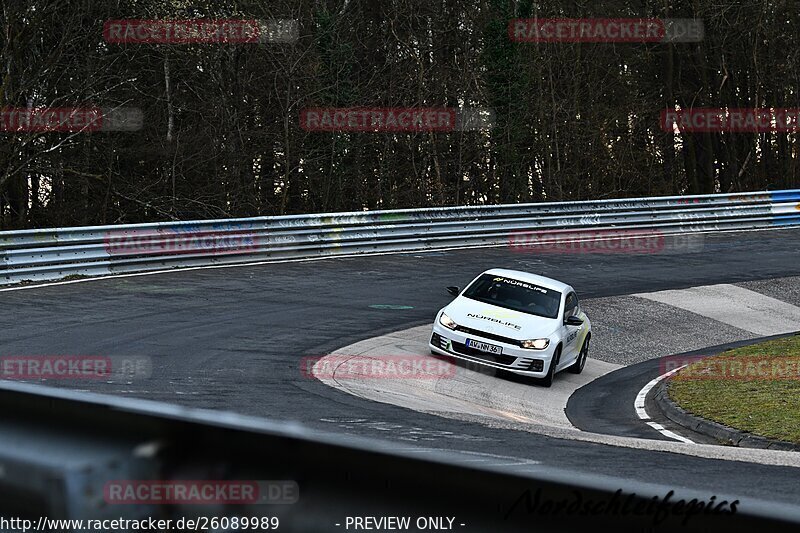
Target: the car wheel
pixel 548 379
pixel 580 362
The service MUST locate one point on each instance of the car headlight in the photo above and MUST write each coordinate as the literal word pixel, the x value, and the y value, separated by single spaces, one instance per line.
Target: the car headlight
pixel 447 322
pixel 535 344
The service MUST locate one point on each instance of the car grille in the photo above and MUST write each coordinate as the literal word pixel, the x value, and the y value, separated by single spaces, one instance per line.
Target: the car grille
pixel 462 349
pixel 438 340
pixel 486 335
pixel 536 365
pixel 492 358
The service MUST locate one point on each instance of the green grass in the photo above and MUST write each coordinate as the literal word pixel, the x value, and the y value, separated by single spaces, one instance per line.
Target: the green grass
pixel 761 405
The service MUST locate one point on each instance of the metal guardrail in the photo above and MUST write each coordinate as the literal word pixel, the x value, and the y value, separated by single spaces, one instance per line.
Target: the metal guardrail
pixel 60 450
pixel 46 254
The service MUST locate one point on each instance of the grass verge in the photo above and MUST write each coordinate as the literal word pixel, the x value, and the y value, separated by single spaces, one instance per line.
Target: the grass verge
pixel 754 388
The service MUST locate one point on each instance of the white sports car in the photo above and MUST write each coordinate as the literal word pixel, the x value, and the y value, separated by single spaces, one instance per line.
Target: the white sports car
pixel 515 321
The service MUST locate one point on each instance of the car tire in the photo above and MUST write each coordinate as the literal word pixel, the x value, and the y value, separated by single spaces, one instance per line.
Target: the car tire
pixel 580 362
pixel 551 372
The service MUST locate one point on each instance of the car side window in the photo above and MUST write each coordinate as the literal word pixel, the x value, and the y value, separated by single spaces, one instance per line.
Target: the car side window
pixel 571 305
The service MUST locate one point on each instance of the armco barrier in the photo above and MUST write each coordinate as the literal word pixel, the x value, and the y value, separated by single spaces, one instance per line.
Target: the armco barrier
pixel 46 254
pixel 61 449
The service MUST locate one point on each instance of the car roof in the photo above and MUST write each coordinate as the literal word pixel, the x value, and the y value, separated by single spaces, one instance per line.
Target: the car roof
pixel 542 281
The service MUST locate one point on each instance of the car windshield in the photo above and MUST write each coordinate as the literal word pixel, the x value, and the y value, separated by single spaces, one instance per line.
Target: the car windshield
pixel 514 294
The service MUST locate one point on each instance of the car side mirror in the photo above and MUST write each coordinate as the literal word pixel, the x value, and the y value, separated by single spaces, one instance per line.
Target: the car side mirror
pixel 573 321
pixel 453 290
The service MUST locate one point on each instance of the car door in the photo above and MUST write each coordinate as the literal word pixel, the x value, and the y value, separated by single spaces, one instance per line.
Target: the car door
pixel 570 334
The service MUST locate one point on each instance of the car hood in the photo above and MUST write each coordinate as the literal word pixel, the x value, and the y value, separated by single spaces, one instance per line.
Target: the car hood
pixel 499 320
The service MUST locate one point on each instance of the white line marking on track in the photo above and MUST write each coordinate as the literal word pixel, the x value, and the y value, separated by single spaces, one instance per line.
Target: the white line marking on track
pixel 667 433
pixel 641 412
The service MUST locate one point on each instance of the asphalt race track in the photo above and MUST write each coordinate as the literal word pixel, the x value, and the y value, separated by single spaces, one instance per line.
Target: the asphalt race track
pixel 233 338
pixel 588 408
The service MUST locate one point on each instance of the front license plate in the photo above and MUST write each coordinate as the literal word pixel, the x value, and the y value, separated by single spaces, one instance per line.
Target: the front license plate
pixel 485 347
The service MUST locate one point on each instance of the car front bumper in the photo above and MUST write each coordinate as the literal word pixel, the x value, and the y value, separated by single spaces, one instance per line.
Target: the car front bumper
pixel 534 363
